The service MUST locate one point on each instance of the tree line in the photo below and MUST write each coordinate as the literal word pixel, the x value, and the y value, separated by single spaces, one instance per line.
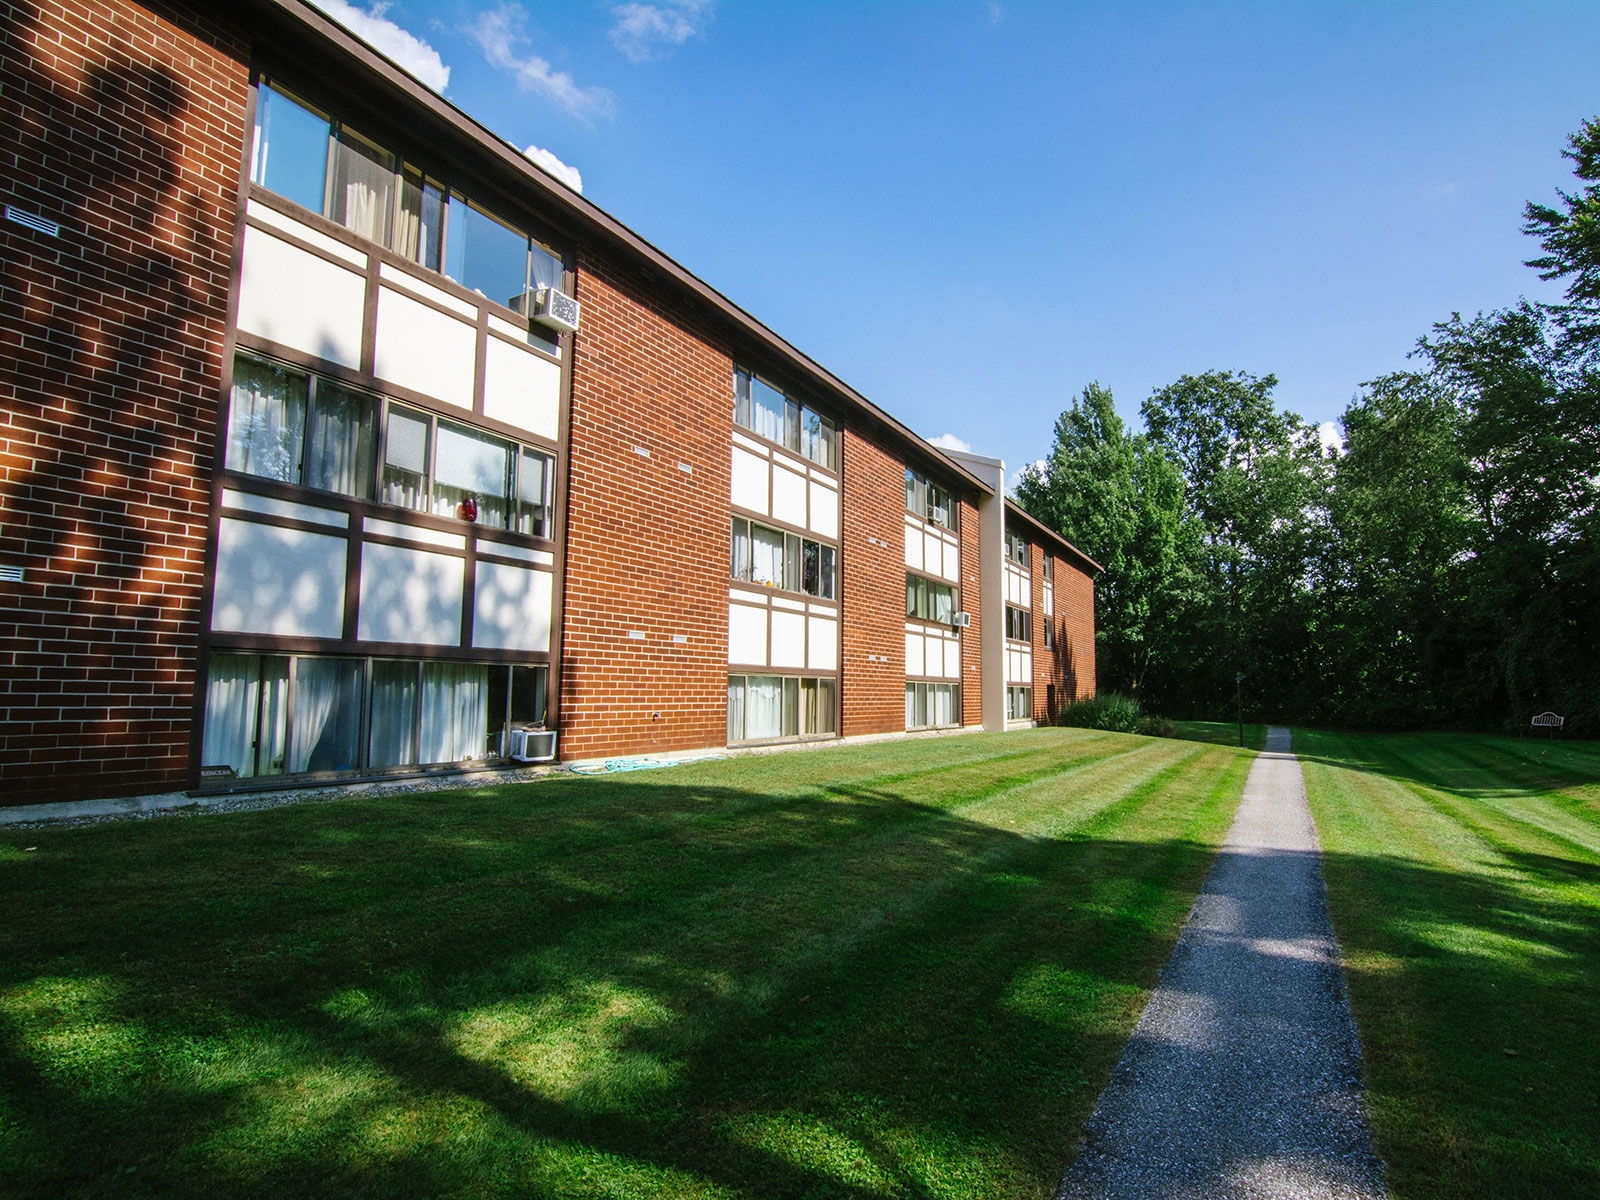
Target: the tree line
pixel 1439 570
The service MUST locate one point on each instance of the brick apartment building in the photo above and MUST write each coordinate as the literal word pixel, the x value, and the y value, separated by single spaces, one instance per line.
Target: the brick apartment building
pixel 307 471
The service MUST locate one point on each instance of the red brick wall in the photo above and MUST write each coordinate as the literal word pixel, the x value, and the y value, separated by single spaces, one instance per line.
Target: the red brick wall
pixel 1069 665
pixel 872 588
pixel 127 129
pixel 1075 628
pixel 971 646
pixel 647 542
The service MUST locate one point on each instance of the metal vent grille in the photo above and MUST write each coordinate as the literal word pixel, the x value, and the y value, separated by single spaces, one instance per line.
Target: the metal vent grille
pixel 33 221
pixel 10 574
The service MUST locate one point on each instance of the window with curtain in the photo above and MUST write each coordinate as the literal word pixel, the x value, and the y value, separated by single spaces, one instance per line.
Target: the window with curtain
pixel 781 560
pixel 769 707
pixel 766 556
pixel 767 412
pixel 419 229
pixel 470 465
pixel 244 728
pixel 927 600
pixel 296 428
pixel 1018 625
pixel 763 707
pixel 266 420
pixel 930 501
pixel 534 482
pixel 325 725
pixel 405 460
pixel 455 712
pixel 392 740
pixel 362 189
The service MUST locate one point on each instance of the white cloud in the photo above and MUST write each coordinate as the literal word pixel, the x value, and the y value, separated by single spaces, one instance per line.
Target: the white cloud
pixel 1015 477
pixel 996 13
pixel 499 33
pixel 949 441
pixel 647 32
pixel 554 166
pixel 410 51
pixel 1330 437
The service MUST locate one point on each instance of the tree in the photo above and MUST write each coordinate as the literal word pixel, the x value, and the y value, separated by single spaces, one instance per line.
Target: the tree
pixel 1120 500
pixel 1570 236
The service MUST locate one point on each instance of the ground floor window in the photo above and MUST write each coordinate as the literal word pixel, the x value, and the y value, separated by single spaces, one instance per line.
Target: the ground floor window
pixel 281 714
pixel 767 707
pixel 930 705
pixel 1019 704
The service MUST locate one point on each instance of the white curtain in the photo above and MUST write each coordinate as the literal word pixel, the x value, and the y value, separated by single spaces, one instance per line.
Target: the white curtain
pixel 455 712
pixel 763 712
pixel 736 709
pixel 233 693
pixel 393 742
pixel 768 409
pixel 766 556
pixel 827 706
pixel 940 706
pixel 470 464
pixel 339 441
pixel 327 715
pixel 266 420
pixel 363 187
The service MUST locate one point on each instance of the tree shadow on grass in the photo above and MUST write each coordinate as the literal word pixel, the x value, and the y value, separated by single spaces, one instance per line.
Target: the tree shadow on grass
pixel 725 992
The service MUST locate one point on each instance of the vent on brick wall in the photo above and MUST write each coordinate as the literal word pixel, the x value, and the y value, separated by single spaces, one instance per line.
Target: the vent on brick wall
pixel 10 574
pixel 33 221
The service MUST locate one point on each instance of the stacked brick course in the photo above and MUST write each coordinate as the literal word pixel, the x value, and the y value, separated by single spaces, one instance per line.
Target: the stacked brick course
pixel 1075 629
pixel 872 588
pixel 124 124
pixel 646 539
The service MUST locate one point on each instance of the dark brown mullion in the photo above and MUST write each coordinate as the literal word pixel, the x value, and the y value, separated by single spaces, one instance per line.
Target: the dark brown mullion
pixel 480 350
pixel 369 319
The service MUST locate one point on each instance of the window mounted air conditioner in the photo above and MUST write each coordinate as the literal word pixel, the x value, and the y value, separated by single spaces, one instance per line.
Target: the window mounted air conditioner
pixel 961 620
pixel 532 745
pixel 548 307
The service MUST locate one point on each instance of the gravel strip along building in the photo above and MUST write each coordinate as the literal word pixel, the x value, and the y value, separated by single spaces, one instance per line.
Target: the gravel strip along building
pixel 343 442
pixel 1242 1080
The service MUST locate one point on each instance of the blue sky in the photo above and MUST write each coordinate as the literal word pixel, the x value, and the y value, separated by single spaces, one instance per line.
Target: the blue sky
pixel 970 210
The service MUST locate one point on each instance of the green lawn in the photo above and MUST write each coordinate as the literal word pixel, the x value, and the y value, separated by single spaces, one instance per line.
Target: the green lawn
pixel 1221 733
pixel 893 970
pixel 1464 882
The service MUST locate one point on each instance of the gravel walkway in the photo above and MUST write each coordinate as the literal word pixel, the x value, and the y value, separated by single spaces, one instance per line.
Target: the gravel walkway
pixel 1243 1077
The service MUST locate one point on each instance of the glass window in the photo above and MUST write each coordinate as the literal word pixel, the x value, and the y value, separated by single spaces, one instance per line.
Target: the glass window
pixel 362 188
pixel 455 712
pixel 419 232
pixel 471 475
pixel 246 714
pixel 405 460
pixel 1017 624
pixel 341 429
pixel 325 726
pixel 1019 704
pixel 818 574
pixel 485 253
pixel 533 493
pixel 928 500
pixel 781 560
pixel 929 601
pixel 392 741
pixel 1016 549
pixel 817 706
pixel 290 154
pixel 765 707
pixel 766 556
pixel 769 411
pixel 766 411
pixel 266 420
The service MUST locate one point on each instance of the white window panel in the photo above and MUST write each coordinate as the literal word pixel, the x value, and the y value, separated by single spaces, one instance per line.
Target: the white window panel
pixel 824 510
pixel 913 548
pixel 932 551
pixel 952 560
pixel 822 647
pixel 788 639
pixel 288 582
pixel 914 654
pixel 952 658
pixel 747 635
pixel 410 596
pixel 511 608
pixel 749 480
pixel 788 495
pixel 291 296
pixel 424 349
pixel 521 389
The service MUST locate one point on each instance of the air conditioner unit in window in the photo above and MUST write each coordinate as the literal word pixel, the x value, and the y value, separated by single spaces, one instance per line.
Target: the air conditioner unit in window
pixel 532 745
pixel 548 306
pixel 961 620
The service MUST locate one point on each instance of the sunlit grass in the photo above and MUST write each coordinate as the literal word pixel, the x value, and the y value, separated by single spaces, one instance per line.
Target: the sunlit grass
pixel 1464 882
pixel 901 970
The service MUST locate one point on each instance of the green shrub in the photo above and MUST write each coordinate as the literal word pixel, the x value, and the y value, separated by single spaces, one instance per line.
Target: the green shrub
pixel 1153 726
pixel 1109 710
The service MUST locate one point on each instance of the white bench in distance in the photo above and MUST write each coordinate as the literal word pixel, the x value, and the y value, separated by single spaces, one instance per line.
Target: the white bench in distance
pixel 1549 720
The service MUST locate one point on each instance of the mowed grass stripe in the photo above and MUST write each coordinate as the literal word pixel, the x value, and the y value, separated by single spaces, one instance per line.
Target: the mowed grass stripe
pixel 1472 943
pixel 869 971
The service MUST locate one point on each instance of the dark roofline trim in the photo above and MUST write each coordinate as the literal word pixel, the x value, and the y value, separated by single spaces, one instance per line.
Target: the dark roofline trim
pixel 293 17
pixel 1013 509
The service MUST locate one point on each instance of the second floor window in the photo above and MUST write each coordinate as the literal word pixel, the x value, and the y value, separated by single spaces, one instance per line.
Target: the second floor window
pixel 298 427
pixel 781 560
pixel 929 601
pixel 1018 624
